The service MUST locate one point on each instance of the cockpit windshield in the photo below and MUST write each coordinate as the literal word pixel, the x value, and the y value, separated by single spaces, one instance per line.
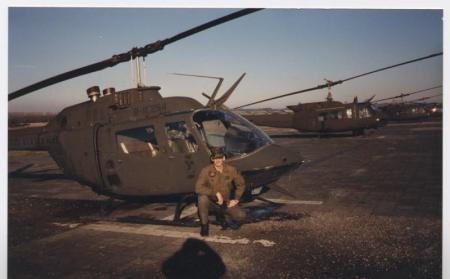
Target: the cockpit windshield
pixel 227 130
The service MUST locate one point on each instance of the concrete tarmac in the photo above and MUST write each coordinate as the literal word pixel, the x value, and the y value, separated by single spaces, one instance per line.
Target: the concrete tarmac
pixel 365 207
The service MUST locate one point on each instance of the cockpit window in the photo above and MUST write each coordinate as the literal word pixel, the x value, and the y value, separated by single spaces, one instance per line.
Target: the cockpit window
pixel 138 141
pixel 227 130
pixel 180 140
pixel 364 112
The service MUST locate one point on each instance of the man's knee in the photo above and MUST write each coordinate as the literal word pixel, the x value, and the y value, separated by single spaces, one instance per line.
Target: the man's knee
pixel 237 213
pixel 203 201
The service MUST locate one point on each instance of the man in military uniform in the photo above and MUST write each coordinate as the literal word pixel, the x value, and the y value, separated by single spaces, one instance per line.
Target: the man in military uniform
pixel 214 187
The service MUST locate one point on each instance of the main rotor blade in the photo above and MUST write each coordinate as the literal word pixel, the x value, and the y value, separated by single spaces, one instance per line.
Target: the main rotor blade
pixel 330 84
pixel 407 94
pixel 192 75
pixel 126 56
pixel 424 98
pixel 213 96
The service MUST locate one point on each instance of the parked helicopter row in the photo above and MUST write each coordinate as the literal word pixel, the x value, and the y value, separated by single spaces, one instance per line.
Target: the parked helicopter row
pixel 136 144
pixel 329 116
pixel 332 116
pixel 412 110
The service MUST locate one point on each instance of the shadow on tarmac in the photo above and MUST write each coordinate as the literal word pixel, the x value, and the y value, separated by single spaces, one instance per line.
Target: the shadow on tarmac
pixel 195 259
pixel 38 176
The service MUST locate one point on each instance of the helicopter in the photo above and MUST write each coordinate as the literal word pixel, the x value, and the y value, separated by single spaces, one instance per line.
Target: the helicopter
pixel 408 111
pixel 329 116
pixel 136 145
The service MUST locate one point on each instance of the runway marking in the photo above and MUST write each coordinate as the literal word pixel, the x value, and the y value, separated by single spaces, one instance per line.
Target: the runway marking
pixel 186 212
pixel 265 243
pixel 67 225
pixel 293 201
pixel 155 230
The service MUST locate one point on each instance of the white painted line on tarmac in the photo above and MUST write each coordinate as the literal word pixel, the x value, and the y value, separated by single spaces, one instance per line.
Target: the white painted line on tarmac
pixel 156 230
pixel 67 225
pixel 265 243
pixel 186 212
pixel 293 201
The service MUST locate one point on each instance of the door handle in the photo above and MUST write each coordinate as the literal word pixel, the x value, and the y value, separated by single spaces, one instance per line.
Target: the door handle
pixel 171 157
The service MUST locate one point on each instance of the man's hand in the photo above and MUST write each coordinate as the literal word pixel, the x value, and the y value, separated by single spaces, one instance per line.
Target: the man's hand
pixel 219 198
pixel 233 203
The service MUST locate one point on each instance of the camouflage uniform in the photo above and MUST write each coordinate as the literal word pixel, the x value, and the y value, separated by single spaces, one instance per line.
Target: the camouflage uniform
pixel 209 182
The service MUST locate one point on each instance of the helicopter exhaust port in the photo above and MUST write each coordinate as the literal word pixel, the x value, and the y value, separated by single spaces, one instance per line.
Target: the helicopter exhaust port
pixel 93 93
pixel 109 91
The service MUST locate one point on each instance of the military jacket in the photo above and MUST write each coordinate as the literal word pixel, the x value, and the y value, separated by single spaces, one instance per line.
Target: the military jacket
pixel 210 181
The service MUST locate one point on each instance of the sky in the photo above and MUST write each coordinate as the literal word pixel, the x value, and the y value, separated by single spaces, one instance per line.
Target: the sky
pixel 281 50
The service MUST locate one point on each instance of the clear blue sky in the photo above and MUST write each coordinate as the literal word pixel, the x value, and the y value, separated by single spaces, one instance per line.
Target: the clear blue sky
pixel 281 50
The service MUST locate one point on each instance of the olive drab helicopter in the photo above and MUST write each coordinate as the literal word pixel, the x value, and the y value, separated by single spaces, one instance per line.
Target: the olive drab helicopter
pixel 328 116
pixel 408 111
pixel 136 144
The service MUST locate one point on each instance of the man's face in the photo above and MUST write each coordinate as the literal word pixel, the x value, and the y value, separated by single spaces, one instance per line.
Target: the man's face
pixel 218 162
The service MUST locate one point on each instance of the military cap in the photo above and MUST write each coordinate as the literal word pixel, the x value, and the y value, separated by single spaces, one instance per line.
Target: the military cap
pixel 217 152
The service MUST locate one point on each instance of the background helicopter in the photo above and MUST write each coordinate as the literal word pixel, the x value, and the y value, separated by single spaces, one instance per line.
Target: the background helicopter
pixel 135 144
pixel 408 111
pixel 322 117
pixel 328 116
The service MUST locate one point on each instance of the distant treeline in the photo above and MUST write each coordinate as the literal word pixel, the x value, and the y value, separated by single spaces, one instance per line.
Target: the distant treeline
pixel 21 118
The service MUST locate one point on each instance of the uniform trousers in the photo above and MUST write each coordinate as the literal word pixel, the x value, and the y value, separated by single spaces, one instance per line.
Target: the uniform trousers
pixel 206 205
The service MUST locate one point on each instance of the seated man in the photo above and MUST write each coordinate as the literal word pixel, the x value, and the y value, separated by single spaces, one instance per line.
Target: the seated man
pixel 214 188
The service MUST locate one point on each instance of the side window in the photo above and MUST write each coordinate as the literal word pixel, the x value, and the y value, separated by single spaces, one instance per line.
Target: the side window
pixel 364 112
pixel 138 142
pixel 329 115
pixel 349 113
pixel 180 140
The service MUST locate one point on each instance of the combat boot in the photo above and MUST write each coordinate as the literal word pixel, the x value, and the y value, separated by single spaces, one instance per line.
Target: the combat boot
pixel 234 225
pixel 204 230
pixel 222 221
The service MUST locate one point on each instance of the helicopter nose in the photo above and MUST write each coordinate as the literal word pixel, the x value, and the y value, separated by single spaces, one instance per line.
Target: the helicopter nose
pixel 287 156
pixel 279 156
pixel 269 164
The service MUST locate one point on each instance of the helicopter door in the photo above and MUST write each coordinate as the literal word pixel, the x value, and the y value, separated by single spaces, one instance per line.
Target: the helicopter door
pixel 182 153
pixel 135 165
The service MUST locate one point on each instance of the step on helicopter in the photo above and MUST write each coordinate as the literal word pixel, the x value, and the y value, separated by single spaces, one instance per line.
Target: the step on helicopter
pixel 329 116
pixel 136 145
